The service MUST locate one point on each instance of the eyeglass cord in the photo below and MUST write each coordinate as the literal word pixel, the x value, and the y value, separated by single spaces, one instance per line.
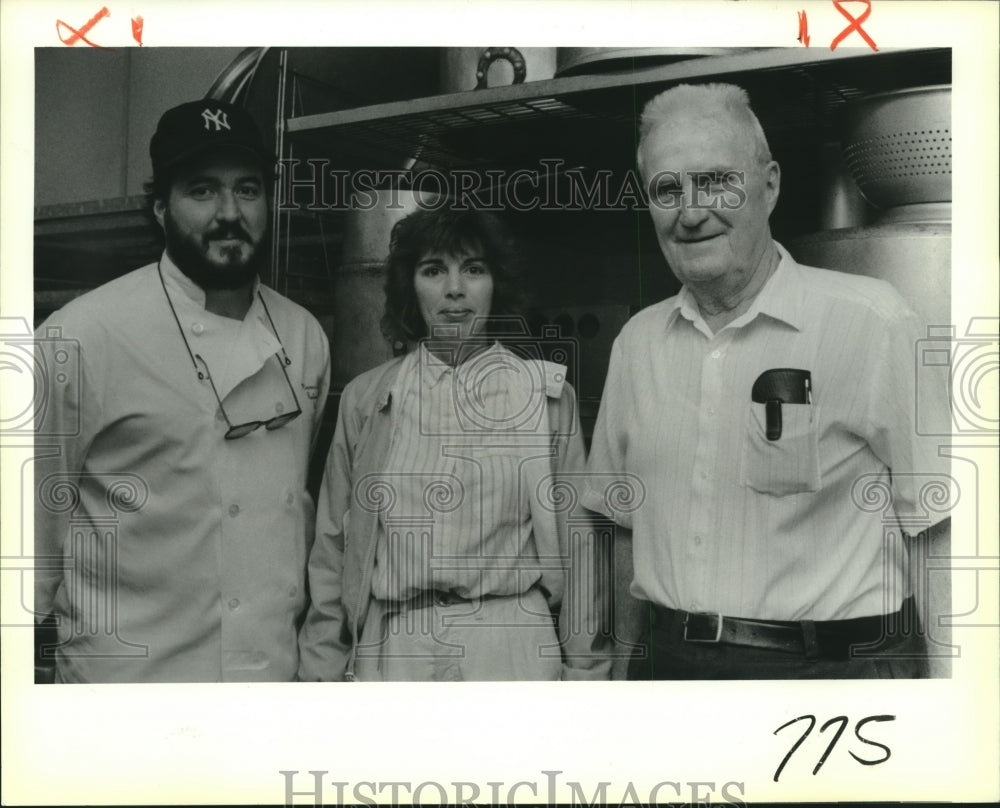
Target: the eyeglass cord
pixel 201 375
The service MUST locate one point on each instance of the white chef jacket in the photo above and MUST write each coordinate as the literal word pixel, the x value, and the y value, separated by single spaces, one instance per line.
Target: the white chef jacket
pixel 167 552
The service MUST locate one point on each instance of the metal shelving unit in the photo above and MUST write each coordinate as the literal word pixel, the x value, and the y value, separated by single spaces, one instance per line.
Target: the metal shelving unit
pixel 796 91
pixel 586 121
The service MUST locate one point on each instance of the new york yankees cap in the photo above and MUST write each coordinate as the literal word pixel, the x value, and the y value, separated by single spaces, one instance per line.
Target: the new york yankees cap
pixel 188 129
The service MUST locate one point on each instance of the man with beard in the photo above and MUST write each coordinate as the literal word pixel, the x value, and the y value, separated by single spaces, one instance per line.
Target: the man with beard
pixel 171 530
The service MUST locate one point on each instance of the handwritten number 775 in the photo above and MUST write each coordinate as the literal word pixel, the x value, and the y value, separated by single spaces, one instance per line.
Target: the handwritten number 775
pixel 841 721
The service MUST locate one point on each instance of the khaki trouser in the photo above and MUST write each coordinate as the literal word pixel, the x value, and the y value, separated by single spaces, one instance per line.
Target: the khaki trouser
pixel 494 639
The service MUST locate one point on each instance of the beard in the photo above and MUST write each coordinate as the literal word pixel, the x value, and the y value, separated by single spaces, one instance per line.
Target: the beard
pixel 190 253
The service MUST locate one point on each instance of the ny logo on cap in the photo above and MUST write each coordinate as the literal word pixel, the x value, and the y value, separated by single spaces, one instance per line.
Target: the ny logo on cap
pixel 218 118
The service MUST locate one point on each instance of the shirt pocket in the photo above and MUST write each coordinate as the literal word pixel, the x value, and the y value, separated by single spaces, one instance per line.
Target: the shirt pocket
pixel 788 465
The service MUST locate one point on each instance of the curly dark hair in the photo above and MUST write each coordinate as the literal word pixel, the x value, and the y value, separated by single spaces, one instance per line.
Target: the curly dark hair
pixel 449 231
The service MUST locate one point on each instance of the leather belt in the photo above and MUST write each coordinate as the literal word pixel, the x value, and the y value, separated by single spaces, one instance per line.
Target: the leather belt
pixel 826 639
pixel 439 597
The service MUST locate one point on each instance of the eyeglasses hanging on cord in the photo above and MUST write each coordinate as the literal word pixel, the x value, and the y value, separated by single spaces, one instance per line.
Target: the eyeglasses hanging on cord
pixel 236 431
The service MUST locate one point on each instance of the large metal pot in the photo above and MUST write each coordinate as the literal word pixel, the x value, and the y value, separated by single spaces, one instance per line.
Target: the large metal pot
pixel 359 281
pixel 465 69
pixel 841 204
pixel 897 146
pixel 577 61
pixel 910 247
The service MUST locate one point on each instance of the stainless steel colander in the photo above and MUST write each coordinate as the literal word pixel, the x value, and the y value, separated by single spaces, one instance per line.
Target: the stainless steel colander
pixel 897 146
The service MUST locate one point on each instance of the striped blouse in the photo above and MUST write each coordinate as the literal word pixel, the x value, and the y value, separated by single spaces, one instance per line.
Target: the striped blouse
pixel 461 516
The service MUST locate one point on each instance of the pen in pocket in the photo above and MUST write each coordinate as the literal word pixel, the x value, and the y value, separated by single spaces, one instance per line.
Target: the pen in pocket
pixel 780 386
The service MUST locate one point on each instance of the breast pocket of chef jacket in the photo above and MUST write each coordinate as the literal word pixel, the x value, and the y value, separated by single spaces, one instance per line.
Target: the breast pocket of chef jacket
pixel 788 464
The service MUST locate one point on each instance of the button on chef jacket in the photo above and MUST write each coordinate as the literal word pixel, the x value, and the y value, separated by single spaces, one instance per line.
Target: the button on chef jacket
pixel 167 552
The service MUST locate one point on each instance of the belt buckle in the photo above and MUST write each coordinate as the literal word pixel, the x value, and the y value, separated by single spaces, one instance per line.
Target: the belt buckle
pixel 718 627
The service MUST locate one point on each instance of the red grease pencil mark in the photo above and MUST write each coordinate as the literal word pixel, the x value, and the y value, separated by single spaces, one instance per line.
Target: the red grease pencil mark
pixel 803 29
pixel 137 30
pixel 78 35
pixel 855 23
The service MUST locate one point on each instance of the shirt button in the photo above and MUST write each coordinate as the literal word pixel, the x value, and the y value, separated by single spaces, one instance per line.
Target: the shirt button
pixel 716 354
pixel 234 604
pixel 293 591
pixel 697 540
pixel 234 509
pixel 703 475
pixel 279 407
pixel 290 498
pixel 711 410
pixel 198 328
pixel 695 606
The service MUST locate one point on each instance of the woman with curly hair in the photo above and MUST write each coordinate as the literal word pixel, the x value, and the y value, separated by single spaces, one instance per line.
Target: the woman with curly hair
pixel 442 550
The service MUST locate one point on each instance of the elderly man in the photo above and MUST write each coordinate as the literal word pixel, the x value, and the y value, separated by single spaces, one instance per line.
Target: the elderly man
pixel 755 408
pixel 171 530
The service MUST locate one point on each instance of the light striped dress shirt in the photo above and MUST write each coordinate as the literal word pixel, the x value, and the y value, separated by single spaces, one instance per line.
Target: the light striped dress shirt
pixel 461 515
pixel 803 527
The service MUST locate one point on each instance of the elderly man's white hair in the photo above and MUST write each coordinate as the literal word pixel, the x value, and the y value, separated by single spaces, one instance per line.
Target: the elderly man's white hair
pixel 705 99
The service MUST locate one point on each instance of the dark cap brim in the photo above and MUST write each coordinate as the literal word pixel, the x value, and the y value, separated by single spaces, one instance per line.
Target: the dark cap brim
pixel 265 160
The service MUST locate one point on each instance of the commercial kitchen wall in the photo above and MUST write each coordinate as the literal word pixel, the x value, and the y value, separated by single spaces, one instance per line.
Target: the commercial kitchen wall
pixel 94 117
